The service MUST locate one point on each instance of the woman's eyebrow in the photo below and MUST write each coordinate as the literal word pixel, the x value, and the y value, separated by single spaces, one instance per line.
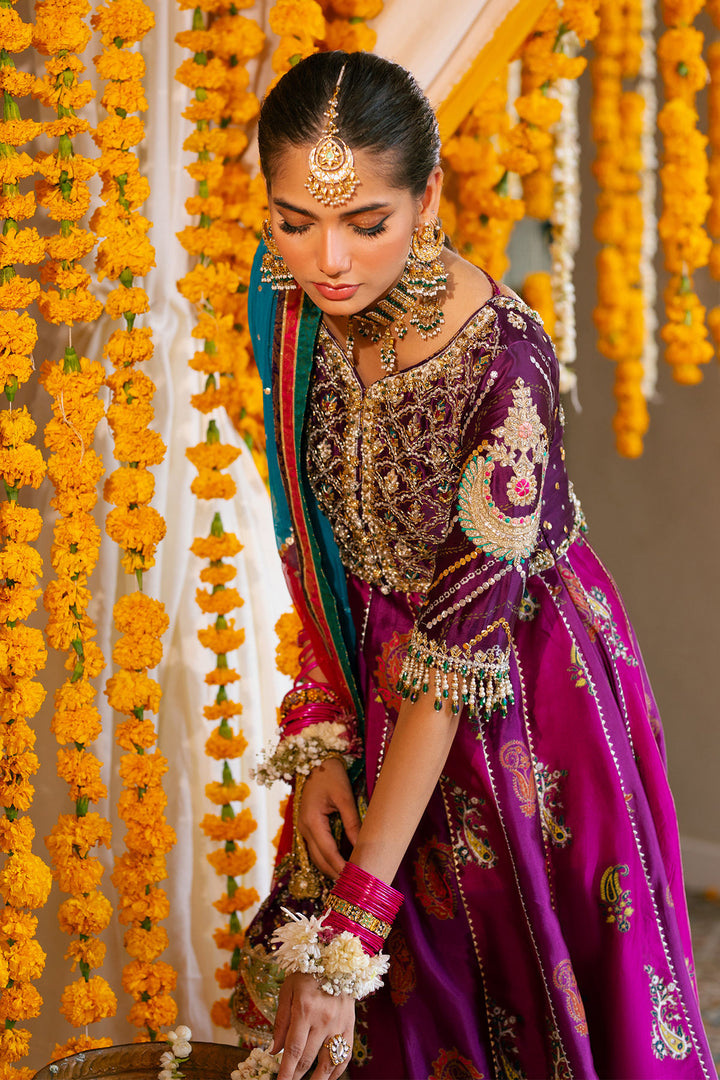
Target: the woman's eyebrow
pixel 293 209
pixel 369 208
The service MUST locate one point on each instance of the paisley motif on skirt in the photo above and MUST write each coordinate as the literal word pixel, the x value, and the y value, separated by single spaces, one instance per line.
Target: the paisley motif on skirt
pixel 389 669
pixel 514 757
pixel 434 879
pixel 564 979
pixel 401 976
pixel 451 1065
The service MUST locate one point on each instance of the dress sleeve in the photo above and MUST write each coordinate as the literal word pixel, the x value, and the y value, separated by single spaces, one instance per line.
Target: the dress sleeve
pixel 460 645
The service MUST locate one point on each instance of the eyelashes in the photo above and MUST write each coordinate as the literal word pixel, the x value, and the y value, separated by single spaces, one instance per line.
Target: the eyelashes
pixel 298 230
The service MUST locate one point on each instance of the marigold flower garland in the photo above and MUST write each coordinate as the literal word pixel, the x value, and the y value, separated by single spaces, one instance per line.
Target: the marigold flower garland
pixel 684 183
pixel 618 124
pixel 124 254
pixel 346 24
pixel 224 240
pixel 25 880
pixel 713 220
pixel 74 468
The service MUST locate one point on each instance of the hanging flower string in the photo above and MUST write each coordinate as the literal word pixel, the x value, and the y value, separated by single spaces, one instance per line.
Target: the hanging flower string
pixel 124 254
pixel 713 220
pixel 25 880
pixel 346 24
pixel 224 241
pixel 74 469
pixel 685 198
pixel 300 25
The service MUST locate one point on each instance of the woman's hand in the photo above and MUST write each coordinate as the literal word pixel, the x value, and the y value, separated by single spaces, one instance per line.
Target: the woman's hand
pixel 306 1017
pixel 327 791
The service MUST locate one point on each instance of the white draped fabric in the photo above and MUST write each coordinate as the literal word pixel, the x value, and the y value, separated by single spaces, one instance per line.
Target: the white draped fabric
pixel 192 883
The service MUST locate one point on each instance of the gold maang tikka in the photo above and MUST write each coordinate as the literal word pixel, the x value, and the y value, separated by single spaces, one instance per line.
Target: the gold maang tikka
pixel 332 180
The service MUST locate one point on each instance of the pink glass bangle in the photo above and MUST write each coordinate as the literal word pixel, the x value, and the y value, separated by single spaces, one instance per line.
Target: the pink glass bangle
pixel 367 892
pixel 371 943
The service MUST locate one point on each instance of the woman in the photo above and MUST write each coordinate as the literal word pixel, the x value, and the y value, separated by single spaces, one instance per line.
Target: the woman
pixel 466 656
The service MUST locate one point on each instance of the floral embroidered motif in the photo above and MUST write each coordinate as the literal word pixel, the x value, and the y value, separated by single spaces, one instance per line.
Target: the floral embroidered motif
pixel 389 669
pixel 529 607
pixel 617 900
pixel 564 979
pixel 383 461
pixel 434 879
pixel 503 1026
pixel 401 976
pixel 481 680
pixel 521 444
pixel 558 1060
pixel 451 1065
pixel 669 1038
pixel 603 612
pixel 515 758
pixel 553 823
pixel 577 670
pixel 470 846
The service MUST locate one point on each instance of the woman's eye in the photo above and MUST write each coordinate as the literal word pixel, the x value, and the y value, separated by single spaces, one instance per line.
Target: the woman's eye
pixel 293 230
pixel 370 230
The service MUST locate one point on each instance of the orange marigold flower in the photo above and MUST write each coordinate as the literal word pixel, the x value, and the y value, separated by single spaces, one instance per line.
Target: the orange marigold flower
pixel 21 700
pixel 15 836
pixel 145 834
pixel 119 132
pixel 226 829
pixel 142 770
pixel 18 292
pixel 80 306
pixel 130 690
pixel 350 36
pixel 128 20
pixel 121 301
pixel 138 652
pixel 221 676
pixel 86 915
pixel 210 76
pixel 126 486
pixel 226 793
pixel 25 880
pixel 66 125
pixel 226 977
pixel 60 207
pixel 132 734
pixel 225 939
pixel 17 925
pixel 14 1042
pixel 125 347
pixel 302 18
pixel 139 608
pixel 222 641
pixel 82 725
pixel 220 747
pixel 22 651
pixel 115 63
pixel 146 945
pixel 212 455
pixel 226 709
pixel 134 253
pixel 127 94
pixel 232 863
pixel 91 952
pixel 14 166
pixel 218 575
pixel 14 33
pixel 141 977
pixel 84 1002
pixel 234 35
pixel 19 1002
pixel 221 1014
pixel 215 548
pixel 18 132
pixel 134 871
pixel 24 246
pixel 159 1012
pixel 241 900
pixel 218 602
pixel 76 1045
pixel 25 960
pixel 81 770
pixel 75 836
pixel 17 207
pixel 152 904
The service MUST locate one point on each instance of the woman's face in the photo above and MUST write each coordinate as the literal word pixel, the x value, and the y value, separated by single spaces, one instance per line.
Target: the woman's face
pixel 345 257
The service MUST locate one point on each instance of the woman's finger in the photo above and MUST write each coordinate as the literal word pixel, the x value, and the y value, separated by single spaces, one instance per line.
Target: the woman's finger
pixel 327 858
pixel 282 1018
pixel 347 808
pixel 327 1069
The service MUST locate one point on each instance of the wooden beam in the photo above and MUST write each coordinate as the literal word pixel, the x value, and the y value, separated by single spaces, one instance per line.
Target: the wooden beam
pixel 494 37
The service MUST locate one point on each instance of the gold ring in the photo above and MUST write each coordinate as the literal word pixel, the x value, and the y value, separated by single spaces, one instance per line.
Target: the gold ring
pixel 337 1047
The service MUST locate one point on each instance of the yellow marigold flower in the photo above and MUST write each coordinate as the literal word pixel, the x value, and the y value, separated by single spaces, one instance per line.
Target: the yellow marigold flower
pixel 114 63
pixel 215 548
pixel 128 94
pixel 138 651
pixel 24 246
pixel 14 33
pixel 66 278
pixel 71 126
pixel 76 1045
pixel 159 1012
pixel 357 9
pixel 226 793
pixel 234 35
pixel 86 915
pixel 221 1014
pixel 84 1002
pixel 299 17
pixel 22 651
pixel 151 904
pixel 22 699
pixel 232 863
pixel 82 725
pixel 25 960
pixel 211 76
pixel 78 876
pixel 134 871
pixel 225 977
pixel 146 944
pixel 77 167
pixel 138 607
pixel 74 246
pixel 15 836
pixel 25 880
pixel 17 603
pixel 133 253
pixel 212 455
pixel 81 306
pixel 351 37
pixel 129 20
pixel 143 770
pixel 221 676
pixel 223 710
pixel 675 11
pixel 133 301
pixel 237 828
pixel 224 939
pixel 55 94
pixel 58 206
pixel 72 836
pixel 19 292
pixel 241 900
pixel 14 166
pixel 210 484
pixel 222 641
pixel 133 733
pixel 140 977
pixel 218 575
pixel 119 132
pixel 211 108
pixel 213 242
pixel 17 925
pixel 14 1042
pixel 81 770
pixel 129 690
pixel 17 736
pixel 18 207
pixel 125 347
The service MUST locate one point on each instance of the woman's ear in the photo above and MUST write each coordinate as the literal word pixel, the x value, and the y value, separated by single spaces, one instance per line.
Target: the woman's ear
pixel 430 200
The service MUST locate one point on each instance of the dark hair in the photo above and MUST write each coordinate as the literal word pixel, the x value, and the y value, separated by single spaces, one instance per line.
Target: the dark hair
pixel 380 108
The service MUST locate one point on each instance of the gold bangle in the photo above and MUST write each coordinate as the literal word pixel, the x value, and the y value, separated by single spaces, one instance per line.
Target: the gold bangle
pixel 359 915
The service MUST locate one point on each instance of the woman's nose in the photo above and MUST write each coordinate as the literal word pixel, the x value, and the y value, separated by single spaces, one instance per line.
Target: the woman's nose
pixel 333 256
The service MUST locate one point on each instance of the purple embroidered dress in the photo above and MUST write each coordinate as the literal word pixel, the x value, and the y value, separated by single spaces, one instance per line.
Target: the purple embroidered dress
pixel 544 931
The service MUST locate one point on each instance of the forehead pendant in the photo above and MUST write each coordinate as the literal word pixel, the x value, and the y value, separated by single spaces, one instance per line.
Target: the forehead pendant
pixel 332 180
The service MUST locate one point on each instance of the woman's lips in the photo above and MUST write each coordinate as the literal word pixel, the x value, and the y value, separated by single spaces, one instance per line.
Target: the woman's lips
pixel 336 292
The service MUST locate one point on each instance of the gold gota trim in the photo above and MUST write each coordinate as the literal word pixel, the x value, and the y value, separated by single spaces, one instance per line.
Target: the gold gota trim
pixel 479 682
pixel 359 915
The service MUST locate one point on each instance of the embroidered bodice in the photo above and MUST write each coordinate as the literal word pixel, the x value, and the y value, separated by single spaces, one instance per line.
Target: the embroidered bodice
pixel 447 480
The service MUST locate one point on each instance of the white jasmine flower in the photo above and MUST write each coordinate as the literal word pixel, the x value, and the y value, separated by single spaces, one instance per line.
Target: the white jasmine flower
pixel 182 1049
pixel 183 1032
pixel 167 1059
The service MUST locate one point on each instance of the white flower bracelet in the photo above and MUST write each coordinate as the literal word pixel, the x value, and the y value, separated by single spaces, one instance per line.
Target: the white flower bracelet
pixel 301 753
pixel 339 963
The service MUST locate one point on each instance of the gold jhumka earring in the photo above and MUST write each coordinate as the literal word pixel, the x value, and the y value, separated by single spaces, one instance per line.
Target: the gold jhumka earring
pixel 416 294
pixel 273 269
pixel 332 180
